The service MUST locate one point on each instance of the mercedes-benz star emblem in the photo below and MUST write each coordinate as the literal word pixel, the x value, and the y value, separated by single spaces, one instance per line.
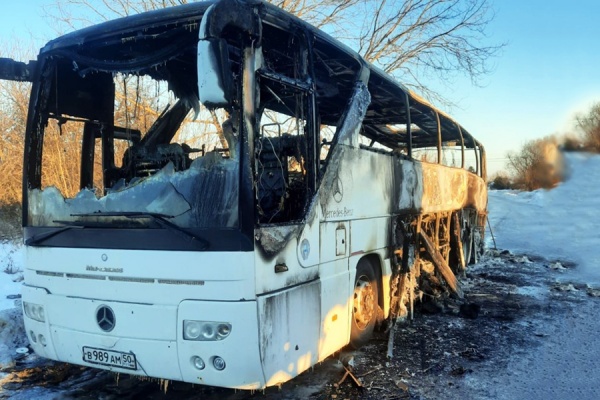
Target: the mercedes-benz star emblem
pixel 106 318
pixel 338 189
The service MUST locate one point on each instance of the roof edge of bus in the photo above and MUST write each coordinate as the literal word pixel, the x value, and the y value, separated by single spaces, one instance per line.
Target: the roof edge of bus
pixel 193 11
pixel 134 22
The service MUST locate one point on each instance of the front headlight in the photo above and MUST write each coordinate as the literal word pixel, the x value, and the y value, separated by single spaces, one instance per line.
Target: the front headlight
pixel 34 311
pixel 205 330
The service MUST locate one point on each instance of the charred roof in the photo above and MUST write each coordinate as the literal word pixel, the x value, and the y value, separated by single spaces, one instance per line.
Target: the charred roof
pixel 122 45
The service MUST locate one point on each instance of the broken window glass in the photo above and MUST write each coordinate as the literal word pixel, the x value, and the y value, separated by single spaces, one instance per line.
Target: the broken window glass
pixel 327 132
pixel 281 152
pixel 123 137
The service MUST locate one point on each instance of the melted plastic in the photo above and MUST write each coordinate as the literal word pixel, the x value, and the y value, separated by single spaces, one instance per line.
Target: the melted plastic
pixel 205 195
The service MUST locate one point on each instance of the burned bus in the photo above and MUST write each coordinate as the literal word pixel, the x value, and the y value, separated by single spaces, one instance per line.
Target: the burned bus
pixel 220 193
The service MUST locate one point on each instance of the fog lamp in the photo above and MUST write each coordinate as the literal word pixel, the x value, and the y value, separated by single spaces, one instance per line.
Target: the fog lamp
pixel 198 362
pixel 219 363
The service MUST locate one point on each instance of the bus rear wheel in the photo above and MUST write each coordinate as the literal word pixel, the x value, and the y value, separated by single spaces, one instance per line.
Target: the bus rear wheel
pixel 364 304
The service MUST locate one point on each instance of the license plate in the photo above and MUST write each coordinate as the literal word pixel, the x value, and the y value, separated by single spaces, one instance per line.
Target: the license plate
pixel 111 358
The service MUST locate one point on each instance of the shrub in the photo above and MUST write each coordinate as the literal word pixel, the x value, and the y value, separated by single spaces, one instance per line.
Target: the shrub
pixel 537 165
pixel 10 222
pixel 572 143
pixel 589 124
pixel 501 182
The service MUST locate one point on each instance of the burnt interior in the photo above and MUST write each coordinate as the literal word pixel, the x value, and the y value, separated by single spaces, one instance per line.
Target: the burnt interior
pixel 82 87
pixel 285 140
pixel 334 71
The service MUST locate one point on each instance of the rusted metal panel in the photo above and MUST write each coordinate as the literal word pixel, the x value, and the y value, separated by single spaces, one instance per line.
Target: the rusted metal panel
pixel 446 189
pixel 409 184
pixel 441 264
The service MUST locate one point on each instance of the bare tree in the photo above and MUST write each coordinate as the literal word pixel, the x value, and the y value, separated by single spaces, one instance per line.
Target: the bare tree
pixel 411 39
pixel 418 37
pixel 589 125
pixel 13 116
pixel 14 103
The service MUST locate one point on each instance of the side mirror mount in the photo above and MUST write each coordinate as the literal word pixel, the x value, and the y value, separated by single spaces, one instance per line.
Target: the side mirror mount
pixel 215 79
pixel 12 70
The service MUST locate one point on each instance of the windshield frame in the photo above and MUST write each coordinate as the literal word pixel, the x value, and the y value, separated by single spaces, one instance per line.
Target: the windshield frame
pixel 150 236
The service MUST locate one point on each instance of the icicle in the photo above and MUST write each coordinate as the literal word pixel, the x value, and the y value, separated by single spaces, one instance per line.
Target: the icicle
pixel 164 385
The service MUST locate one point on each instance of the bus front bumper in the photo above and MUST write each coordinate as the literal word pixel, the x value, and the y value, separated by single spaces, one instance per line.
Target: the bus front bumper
pixel 145 339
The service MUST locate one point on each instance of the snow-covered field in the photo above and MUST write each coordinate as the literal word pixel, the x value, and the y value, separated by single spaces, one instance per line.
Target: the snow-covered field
pixel 11 274
pixel 557 225
pixel 561 223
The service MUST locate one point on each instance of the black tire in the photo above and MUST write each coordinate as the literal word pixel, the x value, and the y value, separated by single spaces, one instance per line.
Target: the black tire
pixel 365 304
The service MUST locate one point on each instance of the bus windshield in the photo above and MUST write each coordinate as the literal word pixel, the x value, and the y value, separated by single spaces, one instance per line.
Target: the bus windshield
pixel 122 132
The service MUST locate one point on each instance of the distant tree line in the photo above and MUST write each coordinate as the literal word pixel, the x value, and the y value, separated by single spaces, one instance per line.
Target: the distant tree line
pixel 538 164
pixel 588 125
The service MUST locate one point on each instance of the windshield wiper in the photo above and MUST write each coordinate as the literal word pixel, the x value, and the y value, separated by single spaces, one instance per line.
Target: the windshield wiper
pixel 160 219
pixel 40 237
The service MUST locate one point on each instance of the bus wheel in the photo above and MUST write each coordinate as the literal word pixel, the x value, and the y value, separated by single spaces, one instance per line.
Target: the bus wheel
pixel 364 311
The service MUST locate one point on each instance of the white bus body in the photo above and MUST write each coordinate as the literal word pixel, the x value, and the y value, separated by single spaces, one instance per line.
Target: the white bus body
pixel 243 259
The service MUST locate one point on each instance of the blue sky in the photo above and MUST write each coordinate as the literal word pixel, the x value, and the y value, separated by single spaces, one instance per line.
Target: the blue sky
pixel 24 19
pixel 548 71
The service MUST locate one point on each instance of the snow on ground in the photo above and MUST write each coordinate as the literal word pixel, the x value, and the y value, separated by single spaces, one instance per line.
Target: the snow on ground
pixel 556 224
pixel 12 335
pixel 11 274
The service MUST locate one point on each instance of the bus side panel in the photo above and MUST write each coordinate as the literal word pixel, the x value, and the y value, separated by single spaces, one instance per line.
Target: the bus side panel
pixel 336 300
pixel 335 285
pixel 368 235
pixel 362 186
pixel 289 324
pixel 408 176
pixel 447 189
pixel 286 255
pixel 367 187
